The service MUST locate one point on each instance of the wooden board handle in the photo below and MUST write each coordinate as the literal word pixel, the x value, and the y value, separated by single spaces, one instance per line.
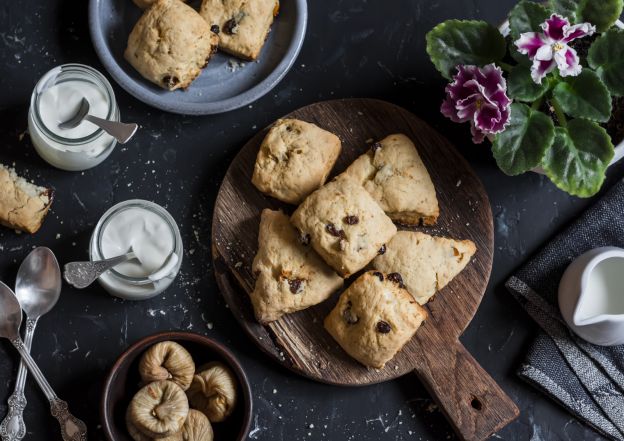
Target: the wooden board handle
pixel 473 403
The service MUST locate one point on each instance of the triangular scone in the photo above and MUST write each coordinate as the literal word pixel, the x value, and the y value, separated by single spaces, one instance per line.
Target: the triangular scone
pixel 426 263
pixel 393 173
pixel 289 276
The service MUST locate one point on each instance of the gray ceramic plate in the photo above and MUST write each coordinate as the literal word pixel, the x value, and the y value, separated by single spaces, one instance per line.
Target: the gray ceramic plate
pixel 225 84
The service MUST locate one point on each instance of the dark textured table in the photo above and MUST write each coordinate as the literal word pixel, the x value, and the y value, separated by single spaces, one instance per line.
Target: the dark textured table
pixel 353 48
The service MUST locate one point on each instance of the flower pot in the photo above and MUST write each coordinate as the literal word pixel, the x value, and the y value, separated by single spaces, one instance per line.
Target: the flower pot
pixel 619 147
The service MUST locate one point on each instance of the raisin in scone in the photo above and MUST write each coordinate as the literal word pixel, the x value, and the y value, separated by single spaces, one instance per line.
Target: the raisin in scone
pixel 344 225
pixel 393 173
pixel 290 275
pixel 170 44
pixel 294 159
pixel 23 205
pixel 374 318
pixel 243 25
pixel 427 263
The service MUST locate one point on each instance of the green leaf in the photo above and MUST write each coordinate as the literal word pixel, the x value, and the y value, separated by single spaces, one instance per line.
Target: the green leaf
pixel 606 55
pixel 579 157
pixel 522 145
pixel 584 96
pixel 520 85
pixel 527 16
pixel 602 13
pixel 456 42
pixel 566 8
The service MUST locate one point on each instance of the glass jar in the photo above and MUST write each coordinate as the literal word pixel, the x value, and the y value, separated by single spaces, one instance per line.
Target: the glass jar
pixel 64 85
pixel 137 288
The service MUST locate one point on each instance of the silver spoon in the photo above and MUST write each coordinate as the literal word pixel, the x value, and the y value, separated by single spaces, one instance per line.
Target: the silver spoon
pixel 72 429
pixel 37 288
pixel 120 131
pixel 82 274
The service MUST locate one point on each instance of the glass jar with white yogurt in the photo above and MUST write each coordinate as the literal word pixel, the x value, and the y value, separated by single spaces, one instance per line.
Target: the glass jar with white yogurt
pixel 148 230
pixel 55 99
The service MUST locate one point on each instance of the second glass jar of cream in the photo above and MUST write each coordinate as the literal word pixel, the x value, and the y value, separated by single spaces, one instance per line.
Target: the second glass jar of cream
pixel 147 230
pixel 55 99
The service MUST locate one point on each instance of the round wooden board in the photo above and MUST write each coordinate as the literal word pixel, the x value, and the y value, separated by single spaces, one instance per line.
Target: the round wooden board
pixel 299 341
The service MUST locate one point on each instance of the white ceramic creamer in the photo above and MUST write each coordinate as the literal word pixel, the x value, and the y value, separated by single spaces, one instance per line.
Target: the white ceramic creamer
pixel 591 296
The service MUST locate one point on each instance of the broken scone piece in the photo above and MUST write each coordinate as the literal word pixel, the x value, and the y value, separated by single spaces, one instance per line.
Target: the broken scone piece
pixel 344 224
pixel 294 159
pixel 23 205
pixel 290 275
pixel 242 25
pixel 374 318
pixel 393 173
pixel 170 44
pixel 427 263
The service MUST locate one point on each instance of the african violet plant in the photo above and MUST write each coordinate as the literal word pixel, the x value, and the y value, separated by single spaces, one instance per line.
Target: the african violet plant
pixel 542 94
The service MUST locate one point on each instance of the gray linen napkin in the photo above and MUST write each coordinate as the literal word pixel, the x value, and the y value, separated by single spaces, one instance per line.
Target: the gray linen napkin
pixel 586 379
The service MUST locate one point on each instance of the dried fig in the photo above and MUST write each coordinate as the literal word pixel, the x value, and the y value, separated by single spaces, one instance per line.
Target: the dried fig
pixel 197 427
pixel 159 409
pixel 137 435
pixel 213 391
pixel 167 360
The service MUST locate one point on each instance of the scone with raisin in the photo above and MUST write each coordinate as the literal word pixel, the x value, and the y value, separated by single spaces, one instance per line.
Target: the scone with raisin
pixel 294 159
pixel 427 263
pixel 393 173
pixel 290 275
pixel 23 205
pixel 374 318
pixel 344 225
pixel 243 25
pixel 170 44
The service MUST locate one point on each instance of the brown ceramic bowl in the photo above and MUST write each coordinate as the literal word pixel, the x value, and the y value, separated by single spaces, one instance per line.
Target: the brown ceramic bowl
pixel 123 381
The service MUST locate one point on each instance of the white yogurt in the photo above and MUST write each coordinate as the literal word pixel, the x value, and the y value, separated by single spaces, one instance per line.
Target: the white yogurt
pixel 55 99
pixel 145 233
pixel 152 234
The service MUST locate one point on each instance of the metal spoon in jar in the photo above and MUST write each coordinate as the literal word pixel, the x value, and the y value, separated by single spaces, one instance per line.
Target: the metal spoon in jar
pixel 37 288
pixel 82 274
pixel 72 429
pixel 120 131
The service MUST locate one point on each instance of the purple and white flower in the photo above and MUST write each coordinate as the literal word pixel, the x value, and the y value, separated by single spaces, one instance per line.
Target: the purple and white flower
pixel 550 49
pixel 478 95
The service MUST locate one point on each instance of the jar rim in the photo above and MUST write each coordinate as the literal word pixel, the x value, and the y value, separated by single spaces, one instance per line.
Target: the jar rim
pixel 69 68
pixel 146 205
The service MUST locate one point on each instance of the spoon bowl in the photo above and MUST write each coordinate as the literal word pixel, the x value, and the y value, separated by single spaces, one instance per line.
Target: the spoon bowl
pixel 10 313
pixel 38 284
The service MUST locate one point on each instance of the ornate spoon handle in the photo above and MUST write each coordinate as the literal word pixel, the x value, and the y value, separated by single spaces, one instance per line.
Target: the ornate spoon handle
pixel 82 274
pixel 12 427
pixel 72 428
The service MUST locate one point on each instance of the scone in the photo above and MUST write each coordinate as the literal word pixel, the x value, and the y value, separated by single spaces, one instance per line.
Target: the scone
pixel 144 4
pixel 374 318
pixel 344 225
pixel 243 25
pixel 393 173
pixel 290 275
pixel 294 159
pixel 170 44
pixel 23 205
pixel 427 263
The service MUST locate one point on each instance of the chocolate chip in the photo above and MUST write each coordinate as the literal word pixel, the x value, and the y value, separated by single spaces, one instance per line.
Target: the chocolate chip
pixel 378 274
pixel 351 219
pixel 383 327
pixel 296 285
pixel 170 81
pixel 215 28
pixel 382 250
pixel 331 229
pixel 349 315
pixel 375 147
pixel 396 278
